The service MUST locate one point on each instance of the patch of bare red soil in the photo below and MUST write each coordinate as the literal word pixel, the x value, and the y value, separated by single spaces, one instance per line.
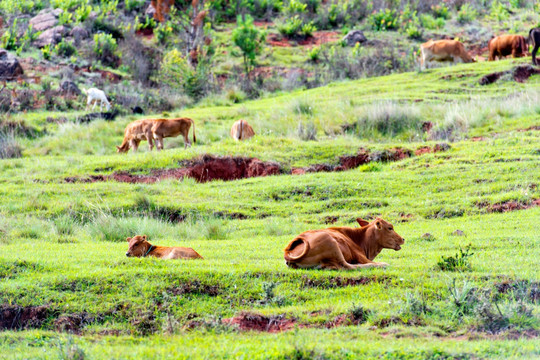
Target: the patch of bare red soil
pixel 13 317
pixel 336 282
pixel 318 38
pixel 534 127
pixel 427 149
pixel 511 205
pixel 257 322
pixel 520 74
pixel 209 168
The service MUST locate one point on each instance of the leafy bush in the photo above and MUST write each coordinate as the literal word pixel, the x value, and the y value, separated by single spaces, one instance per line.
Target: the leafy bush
pixel 413 31
pixel 464 298
pixel 46 52
pixel 302 106
pixel 11 7
pixel 105 47
pixel 458 262
pixel 82 13
pixel 291 27
pixel 65 18
pixel 383 20
pixel 430 23
pixel 249 40
pixel 268 295
pixel 359 314
pixel 466 14
pixel 315 53
pixel 441 11
pixel 65 48
pixel 134 4
pixel 499 11
pixel 308 30
pixel 296 7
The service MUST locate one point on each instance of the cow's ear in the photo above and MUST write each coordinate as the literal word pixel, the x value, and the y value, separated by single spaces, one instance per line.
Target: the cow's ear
pixel 127 239
pixel 378 224
pixel 362 222
pixel 144 237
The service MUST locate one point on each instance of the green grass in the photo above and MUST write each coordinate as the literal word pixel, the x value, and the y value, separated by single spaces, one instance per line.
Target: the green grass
pixel 63 244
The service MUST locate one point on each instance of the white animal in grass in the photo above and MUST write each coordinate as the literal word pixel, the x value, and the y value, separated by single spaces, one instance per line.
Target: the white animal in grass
pixel 95 95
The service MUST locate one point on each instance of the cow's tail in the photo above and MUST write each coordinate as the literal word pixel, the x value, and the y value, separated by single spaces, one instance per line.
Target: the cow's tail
pixel 241 129
pixel 194 138
pixel 291 254
pixel 524 46
pixel 529 38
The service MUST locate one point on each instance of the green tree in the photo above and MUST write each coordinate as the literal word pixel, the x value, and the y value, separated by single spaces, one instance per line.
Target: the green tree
pixel 249 39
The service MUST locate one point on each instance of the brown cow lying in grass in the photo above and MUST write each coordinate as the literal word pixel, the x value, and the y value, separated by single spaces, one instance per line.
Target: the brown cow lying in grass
pixel 155 129
pixel 504 45
pixel 241 130
pixel 443 50
pixel 343 247
pixel 139 247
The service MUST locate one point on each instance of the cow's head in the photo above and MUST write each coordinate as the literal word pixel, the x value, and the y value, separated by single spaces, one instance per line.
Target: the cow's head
pixel 138 246
pixel 124 148
pixel 385 235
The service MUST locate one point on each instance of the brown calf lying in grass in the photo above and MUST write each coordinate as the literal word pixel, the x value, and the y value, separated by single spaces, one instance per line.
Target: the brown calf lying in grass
pixel 155 129
pixel 343 247
pixel 139 247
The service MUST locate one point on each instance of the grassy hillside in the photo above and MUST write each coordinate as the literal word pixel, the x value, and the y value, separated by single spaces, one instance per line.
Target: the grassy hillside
pixel 64 270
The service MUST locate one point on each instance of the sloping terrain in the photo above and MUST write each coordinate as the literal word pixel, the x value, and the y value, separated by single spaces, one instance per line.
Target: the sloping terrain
pixel 464 285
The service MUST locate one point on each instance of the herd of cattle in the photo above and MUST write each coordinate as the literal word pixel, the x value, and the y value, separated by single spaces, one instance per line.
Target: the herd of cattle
pixel 499 47
pixel 332 248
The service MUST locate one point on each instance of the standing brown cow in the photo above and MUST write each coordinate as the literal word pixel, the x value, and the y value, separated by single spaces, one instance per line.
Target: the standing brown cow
pixel 443 50
pixel 504 45
pixel 155 129
pixel 241 130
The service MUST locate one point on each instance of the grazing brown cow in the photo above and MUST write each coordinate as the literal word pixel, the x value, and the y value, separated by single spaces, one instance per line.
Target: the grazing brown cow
pixel 155 129
pixel 139 247
pixel 241 130
pixel 343 247
pixel 444 50
pixel 504 45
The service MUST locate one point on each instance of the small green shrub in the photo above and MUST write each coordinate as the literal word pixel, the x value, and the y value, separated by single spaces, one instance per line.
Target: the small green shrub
pixel 458 262
pixel 315 54
pixel 383 20
pixel 291 27
pixel 296 7
pixel 413 31
pixel 104 44
pixel 499 11
pixel 9 147
pixel 131 5
pixel 65 18
pixel 388 119
pixel 466 14
pixel 308 30
pixel 82 13
pixel 307 132
pixel 359 313
pixel 431 23
pixel 268 295
pixel 464 298
pixel 46 52
pixel 441 11
pixel 65 48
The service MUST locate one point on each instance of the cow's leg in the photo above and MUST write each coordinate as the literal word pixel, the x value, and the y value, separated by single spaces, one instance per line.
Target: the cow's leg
pixel 535 50
pixel 88 102
pixel 135 144
pixel 150 137
pixel 186 140
pixel 159 142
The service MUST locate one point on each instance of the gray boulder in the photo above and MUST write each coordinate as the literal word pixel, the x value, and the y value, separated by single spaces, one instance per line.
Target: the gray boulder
pixel 353 37
pixel 9 66
pixel 45 19
pixel 51 37
pixel 79 33
pixel 69 87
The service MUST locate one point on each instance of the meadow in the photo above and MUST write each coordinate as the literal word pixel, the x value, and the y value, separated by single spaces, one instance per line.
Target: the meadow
pixel 465 284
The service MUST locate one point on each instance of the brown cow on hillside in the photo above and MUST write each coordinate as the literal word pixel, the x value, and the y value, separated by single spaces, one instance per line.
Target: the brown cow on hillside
pixel 504 45
pixel 444 50
pixel 343 247
pixel 139 247
pixel 155 129
pixel 241 130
